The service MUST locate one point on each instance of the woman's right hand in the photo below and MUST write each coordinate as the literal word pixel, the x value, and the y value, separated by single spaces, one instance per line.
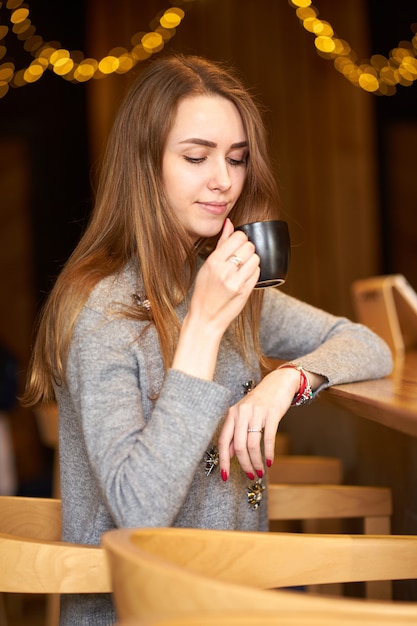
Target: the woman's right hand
pixel 222 288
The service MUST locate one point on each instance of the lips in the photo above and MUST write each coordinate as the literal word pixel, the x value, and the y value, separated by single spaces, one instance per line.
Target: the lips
pixel 216 208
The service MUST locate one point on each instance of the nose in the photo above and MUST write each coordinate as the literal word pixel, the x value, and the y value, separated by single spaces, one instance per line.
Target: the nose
pixel 220 176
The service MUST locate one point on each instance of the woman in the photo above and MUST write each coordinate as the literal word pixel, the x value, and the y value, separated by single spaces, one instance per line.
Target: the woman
pixel 152 336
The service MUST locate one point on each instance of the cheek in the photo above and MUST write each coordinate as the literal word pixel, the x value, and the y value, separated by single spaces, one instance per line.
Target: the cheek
pixel 240 180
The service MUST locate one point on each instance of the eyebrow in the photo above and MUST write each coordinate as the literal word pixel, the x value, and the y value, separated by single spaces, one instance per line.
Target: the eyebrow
pixel 211 144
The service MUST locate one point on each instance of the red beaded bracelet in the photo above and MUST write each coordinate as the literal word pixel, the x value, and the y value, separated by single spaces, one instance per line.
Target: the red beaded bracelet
pixel 305 392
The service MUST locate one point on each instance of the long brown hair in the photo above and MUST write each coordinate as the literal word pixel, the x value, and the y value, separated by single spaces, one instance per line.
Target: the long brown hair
pixel 131 219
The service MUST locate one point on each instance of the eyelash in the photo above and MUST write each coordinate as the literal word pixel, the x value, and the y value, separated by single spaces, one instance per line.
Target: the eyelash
pixel 199 160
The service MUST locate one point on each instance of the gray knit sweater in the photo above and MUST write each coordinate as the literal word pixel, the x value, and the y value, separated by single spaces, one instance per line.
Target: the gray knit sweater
pixel 128 460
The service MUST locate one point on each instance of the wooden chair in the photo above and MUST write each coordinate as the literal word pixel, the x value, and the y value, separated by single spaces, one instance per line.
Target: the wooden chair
pixel 372 504
pixel 35 560
pixel 388 305
pixel 209 571
pixel 292 469
pixel 296 469
pixel 315 504
pixel 323 617
pixel 32 518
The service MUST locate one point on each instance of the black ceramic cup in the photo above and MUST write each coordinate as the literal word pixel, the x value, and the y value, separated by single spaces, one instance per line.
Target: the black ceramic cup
pixel 272 243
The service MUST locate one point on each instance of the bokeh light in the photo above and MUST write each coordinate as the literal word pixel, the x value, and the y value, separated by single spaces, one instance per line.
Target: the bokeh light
pixel 71 65
pixel 380 75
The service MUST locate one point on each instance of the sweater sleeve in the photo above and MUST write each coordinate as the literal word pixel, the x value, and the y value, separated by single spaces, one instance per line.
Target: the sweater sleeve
pixel 331 346
pixel 135 444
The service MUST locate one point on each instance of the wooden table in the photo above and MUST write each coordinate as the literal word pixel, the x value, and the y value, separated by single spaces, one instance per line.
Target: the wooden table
pixel 372 427
pixel 389 401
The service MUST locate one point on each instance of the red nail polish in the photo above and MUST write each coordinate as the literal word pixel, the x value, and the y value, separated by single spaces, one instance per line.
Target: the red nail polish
pixel 268 462
pixel 250 475
pixel 224 475
pixel 260 473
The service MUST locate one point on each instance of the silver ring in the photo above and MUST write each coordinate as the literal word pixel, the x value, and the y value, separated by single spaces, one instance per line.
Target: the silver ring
pixel 236 261
pixel 255 430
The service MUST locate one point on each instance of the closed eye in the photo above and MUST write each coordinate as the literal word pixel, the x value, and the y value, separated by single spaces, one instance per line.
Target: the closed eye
pixel 233 162
pixel 236 162
pixel 195 160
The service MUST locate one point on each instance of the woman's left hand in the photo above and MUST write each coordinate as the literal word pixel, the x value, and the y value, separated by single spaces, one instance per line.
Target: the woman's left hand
pixel 257 414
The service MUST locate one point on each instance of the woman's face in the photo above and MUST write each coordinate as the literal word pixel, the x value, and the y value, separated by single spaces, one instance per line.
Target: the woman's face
pixel 204 163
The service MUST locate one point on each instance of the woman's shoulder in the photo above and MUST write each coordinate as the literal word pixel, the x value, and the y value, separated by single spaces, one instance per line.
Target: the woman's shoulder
pixel 114 292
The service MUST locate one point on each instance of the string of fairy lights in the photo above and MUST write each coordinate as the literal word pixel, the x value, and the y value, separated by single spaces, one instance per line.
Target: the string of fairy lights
pixel 73 65
pixel 379 75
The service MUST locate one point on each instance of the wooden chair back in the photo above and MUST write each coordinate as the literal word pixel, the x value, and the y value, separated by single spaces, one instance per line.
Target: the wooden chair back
pixel 296 469
pixel 258 617
pixel 32 518
pixel 372 504
pixel 162 571
pixel 35 560
pixel 322 509
pixel 388 305
pixel 39 566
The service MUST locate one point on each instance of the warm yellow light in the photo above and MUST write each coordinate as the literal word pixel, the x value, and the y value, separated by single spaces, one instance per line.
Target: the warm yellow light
pixel 152 42
pixel 177 11
pixel 19 16
pixel 389 75
pixel 13 4
pixel 23 27
pixel 301 3
pixel 380 74
pixel 6 72
pixel 170 20
pixel 33 72
pixel 108 65
pixel 341 47
pixel 404 78
pixel 379 61
pixel 409 64
pixel 126 62
pixel 58 55
pixel 399 53
pixel 304 14
pixel 46 52
pixel 63 66
pixel 85 70
pixel 323 28
pixel 324 44
pixel 309 23
pixel 71 66
pixel 345 66
pixel 369 82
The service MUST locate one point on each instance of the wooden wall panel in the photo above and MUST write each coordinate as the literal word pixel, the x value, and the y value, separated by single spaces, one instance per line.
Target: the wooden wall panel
pixel 402 198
